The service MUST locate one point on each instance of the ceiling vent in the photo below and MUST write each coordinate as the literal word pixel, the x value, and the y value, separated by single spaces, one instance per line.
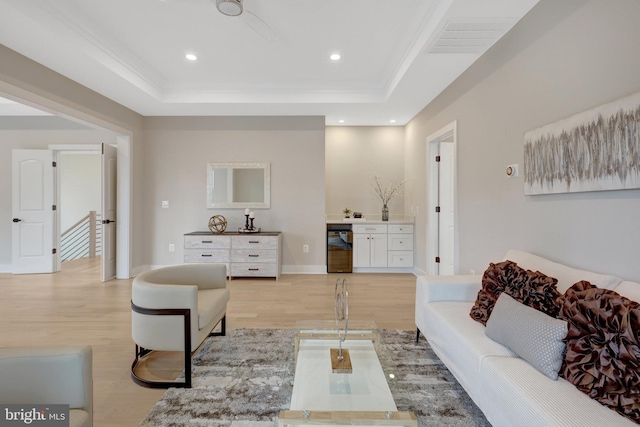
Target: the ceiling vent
pixel 470 36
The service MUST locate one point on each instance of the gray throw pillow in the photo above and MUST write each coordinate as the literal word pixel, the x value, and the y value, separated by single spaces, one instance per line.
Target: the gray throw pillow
pixel 531 334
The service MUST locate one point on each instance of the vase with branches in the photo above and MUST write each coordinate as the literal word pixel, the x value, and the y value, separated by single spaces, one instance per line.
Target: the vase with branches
pixel 386 193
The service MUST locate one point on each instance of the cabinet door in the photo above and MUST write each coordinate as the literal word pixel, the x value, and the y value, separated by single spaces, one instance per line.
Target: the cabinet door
pixel 378 245
pixel 361 250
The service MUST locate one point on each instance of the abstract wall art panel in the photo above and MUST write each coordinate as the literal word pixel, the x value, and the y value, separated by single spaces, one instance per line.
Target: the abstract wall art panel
pixel 596 150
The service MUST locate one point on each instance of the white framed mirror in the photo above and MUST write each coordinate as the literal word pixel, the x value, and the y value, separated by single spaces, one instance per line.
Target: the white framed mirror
pixel 238 185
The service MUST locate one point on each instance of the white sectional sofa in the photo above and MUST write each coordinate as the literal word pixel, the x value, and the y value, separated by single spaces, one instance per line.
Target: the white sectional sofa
pixel 509 390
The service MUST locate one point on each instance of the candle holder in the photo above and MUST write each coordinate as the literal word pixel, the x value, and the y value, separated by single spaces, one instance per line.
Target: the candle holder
pixel 248 226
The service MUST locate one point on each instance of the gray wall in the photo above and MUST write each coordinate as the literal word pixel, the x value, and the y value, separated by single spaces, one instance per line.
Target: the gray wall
pixel 353 156
pixel 177 150
pixel 561 59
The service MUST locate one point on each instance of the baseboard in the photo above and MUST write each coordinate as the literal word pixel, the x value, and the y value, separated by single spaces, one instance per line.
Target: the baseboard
pixel 304 269
pixel 5 268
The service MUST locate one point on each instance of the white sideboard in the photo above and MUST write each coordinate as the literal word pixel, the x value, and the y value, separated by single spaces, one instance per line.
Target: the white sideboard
pixel 245 255
pixel 382 247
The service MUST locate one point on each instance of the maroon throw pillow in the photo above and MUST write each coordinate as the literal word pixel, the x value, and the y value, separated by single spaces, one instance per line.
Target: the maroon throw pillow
pixel 603 347
pixel 528 287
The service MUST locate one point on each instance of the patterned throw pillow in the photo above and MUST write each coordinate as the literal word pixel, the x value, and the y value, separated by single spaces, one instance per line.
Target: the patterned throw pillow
pixel 531 334
pixel 528 287
pixel 603 347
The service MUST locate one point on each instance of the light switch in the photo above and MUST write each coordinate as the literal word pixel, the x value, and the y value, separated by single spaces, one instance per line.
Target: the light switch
pixel 165 204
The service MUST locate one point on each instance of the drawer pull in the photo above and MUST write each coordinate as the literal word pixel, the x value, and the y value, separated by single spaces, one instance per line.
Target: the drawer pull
pixel 254 256
pixel 254 269
pixel 254 241
pixel 207 241
pixel 206 255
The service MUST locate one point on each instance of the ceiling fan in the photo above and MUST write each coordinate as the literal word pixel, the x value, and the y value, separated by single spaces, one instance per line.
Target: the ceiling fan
pixel 235 8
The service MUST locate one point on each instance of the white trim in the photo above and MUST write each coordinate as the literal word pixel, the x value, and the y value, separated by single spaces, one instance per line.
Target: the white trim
pixel 125 168
pixel 433 141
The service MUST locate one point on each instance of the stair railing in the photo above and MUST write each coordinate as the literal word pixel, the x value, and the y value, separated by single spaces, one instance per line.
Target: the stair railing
pixel 83 239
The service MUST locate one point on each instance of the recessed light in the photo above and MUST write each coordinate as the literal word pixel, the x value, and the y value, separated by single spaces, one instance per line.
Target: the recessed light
pixel 191 57
pixel 392 121
pixel 340 121
pixel 335 57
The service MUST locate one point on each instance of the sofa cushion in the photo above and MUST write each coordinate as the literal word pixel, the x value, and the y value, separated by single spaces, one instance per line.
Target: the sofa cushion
pixel 528 287
pixel 603 347
pixel 566 276
pixel 460 342
pixel 531 334
pixel 515 394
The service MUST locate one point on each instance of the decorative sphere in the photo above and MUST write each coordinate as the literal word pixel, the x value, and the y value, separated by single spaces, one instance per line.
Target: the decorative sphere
pixel 217 224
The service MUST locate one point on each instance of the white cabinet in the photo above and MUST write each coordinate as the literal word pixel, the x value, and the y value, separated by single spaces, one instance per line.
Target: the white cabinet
pixel 370 245
pixel 383 245
pixel 400 245
pixel 245 255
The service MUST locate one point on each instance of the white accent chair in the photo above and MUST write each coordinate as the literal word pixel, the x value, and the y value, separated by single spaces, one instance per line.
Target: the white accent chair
pixel 49 376
pixel 175 309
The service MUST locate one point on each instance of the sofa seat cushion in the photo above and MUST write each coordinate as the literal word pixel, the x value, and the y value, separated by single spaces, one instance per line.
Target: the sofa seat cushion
pixel 79 418
pixel 535 400
pixel 212 303
pixel 460 342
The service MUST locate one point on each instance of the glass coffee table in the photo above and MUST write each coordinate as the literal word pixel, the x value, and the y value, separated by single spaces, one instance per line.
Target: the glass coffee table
pixel 362 397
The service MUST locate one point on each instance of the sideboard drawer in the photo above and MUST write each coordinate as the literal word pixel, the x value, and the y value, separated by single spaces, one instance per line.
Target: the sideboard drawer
pixel 254 255
pixel 254 242
pixel 206 255
pixel 207 242
pixel 254 270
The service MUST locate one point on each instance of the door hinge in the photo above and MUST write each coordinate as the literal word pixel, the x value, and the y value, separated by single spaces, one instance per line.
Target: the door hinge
pixel 54 207
pixel 437 158
pixel 438 259
pixel 54 251
pixel 54 164
pixel 437 209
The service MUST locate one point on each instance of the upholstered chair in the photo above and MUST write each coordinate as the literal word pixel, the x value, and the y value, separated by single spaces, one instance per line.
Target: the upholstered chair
pixel 49 376
pixel 175 309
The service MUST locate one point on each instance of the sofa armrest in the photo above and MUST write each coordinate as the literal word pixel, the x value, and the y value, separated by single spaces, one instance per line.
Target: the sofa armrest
pixel 47 375
pixel 447 288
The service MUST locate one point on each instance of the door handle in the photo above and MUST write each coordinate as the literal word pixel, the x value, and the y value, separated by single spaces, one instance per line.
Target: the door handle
pixel 16 220
pixel 107 221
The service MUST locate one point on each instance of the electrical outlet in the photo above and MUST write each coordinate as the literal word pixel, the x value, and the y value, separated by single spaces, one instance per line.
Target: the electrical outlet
pixel 305 248
pixel 172 247
pixel 165 204
pixel 472 271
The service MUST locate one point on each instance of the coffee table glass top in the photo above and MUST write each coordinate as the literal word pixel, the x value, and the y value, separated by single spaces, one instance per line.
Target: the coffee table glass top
pixel 321 397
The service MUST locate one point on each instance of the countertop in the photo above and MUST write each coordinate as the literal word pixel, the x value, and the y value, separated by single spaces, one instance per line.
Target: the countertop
pixel 373 219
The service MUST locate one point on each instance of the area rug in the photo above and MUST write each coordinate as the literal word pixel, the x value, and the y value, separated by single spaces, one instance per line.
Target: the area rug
pixel 245 378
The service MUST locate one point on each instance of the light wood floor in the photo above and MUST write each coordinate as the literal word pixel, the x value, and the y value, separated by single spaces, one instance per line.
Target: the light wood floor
pixel 74 307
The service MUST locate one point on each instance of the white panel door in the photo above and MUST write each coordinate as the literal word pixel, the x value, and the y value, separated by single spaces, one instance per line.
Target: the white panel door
pixel 109 198
pixel 379 254
pixel 361 250
pixel 446 223
pixel 32 211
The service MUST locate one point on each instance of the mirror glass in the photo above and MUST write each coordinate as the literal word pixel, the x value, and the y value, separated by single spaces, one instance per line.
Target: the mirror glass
pixel 238 185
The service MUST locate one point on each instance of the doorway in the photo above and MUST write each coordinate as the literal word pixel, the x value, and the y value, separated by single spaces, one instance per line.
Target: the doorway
pixel 121 228
pixel 442 238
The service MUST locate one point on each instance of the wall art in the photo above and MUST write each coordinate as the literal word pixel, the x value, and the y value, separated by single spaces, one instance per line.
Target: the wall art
pixel 595 150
